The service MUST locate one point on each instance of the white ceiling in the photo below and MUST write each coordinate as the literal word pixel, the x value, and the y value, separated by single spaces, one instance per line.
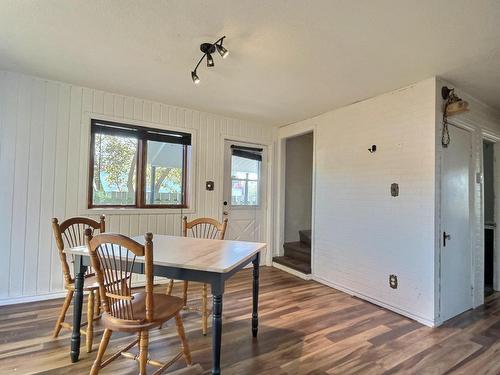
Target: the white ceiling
pixel 289 60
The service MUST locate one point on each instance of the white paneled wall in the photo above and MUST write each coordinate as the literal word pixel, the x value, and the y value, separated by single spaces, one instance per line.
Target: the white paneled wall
pixel 43 170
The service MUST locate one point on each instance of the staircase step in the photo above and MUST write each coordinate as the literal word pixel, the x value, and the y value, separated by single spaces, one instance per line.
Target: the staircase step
pixel 301 266
pixel 298 250
pixel 305 236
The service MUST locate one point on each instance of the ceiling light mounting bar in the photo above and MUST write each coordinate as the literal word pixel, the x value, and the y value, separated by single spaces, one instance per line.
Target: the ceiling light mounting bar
pixel 208 49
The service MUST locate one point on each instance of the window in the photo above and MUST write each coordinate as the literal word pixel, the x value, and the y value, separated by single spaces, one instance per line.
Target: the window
pixel 133 166
pixel 245 175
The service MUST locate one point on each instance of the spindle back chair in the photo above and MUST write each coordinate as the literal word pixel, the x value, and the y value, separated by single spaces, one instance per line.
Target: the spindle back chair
pixel 208 228
pixel 71 233
pixel 113 257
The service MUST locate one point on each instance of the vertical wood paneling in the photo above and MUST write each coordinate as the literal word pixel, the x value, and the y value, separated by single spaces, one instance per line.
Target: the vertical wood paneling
pixel 43 166
pixel 18 234
pixel 60 180
pixel 9 90
pixel 34 187
pixel 72 173
pixel 44 266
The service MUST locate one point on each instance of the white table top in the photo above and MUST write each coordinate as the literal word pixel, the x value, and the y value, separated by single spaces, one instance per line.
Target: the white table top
pixel 194 253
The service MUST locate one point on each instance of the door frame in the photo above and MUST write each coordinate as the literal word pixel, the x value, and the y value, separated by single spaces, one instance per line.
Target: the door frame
pixel 286 132
pixel 495 139
pixel 269 150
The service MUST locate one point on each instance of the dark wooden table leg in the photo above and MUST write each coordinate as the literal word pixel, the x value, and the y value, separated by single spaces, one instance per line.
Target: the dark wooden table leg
pixel 255 307
pixel 217 291
pixel 216 334
pixel 77 308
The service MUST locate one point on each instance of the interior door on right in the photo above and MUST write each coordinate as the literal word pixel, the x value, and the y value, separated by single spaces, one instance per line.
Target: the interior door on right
pixel 456 254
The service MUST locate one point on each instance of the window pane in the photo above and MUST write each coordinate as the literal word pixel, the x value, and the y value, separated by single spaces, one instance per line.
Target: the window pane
pixel 164 173
pixel 245 168
pixel 245 181
pixel 115 160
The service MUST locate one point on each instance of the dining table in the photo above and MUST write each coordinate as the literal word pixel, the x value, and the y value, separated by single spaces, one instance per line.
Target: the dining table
pixel 183 258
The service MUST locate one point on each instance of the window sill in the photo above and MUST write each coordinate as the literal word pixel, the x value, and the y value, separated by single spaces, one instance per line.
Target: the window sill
pixel 137 211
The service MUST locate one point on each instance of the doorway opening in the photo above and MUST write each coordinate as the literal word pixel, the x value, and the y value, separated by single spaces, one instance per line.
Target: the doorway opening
pixel 298 184
pixel 489 215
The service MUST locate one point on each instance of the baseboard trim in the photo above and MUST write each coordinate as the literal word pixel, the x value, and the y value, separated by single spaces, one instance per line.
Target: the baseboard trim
pixel 281 267
pixel 61 294
pixel 420 319
pixel 27 299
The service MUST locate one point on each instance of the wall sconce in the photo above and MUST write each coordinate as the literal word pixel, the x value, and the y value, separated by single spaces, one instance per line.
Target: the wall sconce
pixel 453 105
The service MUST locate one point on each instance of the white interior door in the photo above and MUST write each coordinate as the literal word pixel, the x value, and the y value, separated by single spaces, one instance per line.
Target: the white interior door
pixel 456 254
pixel 244 198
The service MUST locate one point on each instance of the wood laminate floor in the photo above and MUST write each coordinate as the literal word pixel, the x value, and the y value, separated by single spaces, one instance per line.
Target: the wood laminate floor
pixel 305 328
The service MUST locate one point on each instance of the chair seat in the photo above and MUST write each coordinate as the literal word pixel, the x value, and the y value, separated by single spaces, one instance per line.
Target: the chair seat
pixel 165 307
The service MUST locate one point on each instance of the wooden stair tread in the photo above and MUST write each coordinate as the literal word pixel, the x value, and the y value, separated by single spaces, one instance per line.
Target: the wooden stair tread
pixel 298 246
pixel 298 265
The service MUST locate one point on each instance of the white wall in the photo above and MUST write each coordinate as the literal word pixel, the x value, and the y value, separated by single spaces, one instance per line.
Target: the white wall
pixel 43 148
pixel 361 233
pixel 298 180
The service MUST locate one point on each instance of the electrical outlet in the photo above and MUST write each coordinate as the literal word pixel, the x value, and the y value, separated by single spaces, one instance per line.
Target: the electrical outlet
pixel 393 281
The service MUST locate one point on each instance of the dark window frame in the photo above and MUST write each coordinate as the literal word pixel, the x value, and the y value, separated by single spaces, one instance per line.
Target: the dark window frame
pixel 143 135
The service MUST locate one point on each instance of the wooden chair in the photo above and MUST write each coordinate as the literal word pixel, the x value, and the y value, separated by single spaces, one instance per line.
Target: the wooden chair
pixel 113 257
pixel 200 228
pixel 71 233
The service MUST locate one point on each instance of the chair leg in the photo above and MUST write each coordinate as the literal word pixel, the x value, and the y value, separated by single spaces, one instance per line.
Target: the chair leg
pixel 100 354
pixel 62 314
pixel 185 293
pixel 184 342
pixel 143 352
pixel 98 303
pixel 204 313
pixel 89 337
pixel 170 286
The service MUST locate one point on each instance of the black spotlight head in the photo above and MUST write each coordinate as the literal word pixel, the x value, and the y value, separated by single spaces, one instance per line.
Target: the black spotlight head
pixel 222 51
pixel 210 60
pixel 195 78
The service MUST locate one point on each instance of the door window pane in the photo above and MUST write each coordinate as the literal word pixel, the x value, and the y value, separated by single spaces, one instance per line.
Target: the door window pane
pixel 115 160
pixel 164 171
pixel 245 181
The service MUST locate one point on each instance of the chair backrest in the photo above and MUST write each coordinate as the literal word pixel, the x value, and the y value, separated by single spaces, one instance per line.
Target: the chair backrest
pixel 71 233
pixel 113 258
pixel 204 227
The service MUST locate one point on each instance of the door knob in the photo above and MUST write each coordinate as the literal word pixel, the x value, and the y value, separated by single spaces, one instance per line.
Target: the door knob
pixel 445 237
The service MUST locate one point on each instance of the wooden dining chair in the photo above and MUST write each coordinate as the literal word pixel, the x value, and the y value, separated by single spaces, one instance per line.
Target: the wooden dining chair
pixel 71 233
pixel 113 258
pixel 203 227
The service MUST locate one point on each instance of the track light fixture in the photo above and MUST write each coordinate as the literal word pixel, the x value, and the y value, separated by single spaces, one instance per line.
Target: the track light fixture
pixel 208 50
